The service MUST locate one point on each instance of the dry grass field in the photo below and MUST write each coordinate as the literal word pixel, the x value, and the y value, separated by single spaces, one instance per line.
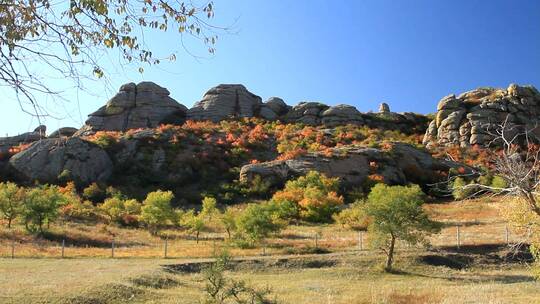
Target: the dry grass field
pixel 482 270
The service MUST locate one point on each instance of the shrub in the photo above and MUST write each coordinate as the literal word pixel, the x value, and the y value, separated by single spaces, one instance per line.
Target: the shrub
pixel 314 196
pixel 94 193
pixel 463 190
pixel 354 217
pixel 121 211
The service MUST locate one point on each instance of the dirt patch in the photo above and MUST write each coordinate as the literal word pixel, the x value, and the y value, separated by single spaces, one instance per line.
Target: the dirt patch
pixel 453 261
pixel 256 265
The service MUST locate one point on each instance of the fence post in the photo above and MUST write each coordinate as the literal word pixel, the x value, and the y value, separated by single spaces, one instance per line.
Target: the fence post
pixel 458 240
pixel 361 240
pixel 316 241
pixel 215 249
pixel 166 245
pixel 13 249
pixel 112 248
pixel 63 246
pixel 507 235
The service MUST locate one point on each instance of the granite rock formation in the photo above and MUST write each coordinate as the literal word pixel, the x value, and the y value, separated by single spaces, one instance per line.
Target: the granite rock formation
pixel 474 117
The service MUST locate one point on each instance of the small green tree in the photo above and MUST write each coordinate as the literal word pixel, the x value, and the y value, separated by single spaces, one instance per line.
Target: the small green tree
pixel 194 222
pixel 11 201
pixel 228 221
pixel 41 206
pixel 462 190
pixel 396 214
pixel 257 222
pixel 156 210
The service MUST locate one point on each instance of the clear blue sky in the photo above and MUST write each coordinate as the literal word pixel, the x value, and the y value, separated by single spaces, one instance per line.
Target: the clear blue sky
pixel 407 53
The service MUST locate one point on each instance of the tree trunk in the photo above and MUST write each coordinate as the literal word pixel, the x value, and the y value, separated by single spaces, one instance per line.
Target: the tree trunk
pixel 197 237
pixel 9 223
pixel 390 255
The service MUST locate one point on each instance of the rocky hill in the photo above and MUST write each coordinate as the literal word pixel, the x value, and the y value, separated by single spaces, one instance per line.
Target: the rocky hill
pixel 472 118
pixel 143 139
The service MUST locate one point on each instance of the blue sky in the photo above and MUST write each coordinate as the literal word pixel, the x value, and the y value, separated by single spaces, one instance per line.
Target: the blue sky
pixel 406 53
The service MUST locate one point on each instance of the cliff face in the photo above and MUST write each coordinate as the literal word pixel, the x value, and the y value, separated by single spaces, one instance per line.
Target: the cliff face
pixel 474 117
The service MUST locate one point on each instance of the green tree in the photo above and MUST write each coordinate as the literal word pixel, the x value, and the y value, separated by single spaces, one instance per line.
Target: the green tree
pixel 11 199
pixel 41 206
pixel 257 222
pixel 396 214
pixel 156 210
pixel 194 222
pixel 71 37
pixel 228 221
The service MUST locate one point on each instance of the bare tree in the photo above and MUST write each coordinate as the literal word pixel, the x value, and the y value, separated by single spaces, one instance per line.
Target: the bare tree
pixel 514 157
pixel 42 41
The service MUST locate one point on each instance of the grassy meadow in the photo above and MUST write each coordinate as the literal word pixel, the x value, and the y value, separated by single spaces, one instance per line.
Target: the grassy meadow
pixel 482 270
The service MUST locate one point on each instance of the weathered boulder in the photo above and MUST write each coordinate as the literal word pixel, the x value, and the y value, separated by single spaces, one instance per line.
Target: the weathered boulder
pixel 49 159
pixel 308 113
pixel 401 164
pixel 277 105
pixel 341 115
pixel 136 106
pixel 226 101
pixel 63 132
pixel 473 117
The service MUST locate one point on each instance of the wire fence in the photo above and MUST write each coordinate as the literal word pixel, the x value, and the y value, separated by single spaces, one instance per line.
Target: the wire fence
pixel 456 237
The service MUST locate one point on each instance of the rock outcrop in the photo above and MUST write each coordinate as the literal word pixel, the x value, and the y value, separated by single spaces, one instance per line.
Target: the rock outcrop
pixel 226 101
pixel 6 143
pixel 49 159
pixel 143 105
pixel 473 117
pixel 401 164
pixel 63 132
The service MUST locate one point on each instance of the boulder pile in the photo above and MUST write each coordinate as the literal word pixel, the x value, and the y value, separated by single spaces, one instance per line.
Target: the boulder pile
pixel 143 105
pixel 474 117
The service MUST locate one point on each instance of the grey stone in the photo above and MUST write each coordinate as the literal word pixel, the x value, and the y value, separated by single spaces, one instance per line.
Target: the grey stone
pixel 224 102
pixel 47 159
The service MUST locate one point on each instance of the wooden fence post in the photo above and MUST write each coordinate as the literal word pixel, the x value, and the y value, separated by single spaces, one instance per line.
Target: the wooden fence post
pixel 112 248
pixel 63 246
pixel 13 249
pixel 166 245
pixel 507 235
pixel 316 240
pixel 361 240
pixel 458 238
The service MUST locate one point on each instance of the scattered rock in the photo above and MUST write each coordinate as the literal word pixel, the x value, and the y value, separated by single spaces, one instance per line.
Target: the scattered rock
pixel 49 159
pixel 226 101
